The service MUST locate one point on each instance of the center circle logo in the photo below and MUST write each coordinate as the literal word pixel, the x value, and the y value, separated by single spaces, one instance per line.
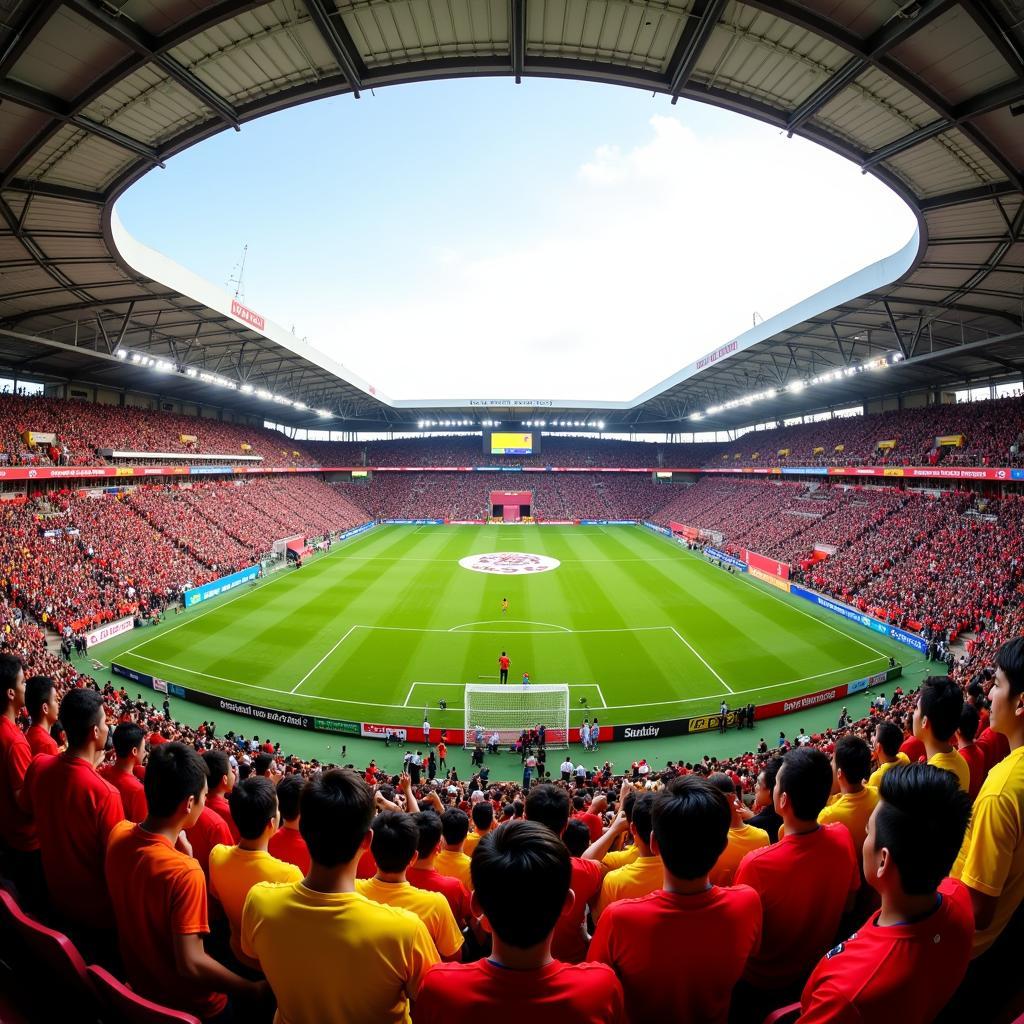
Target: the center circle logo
pixel 509 563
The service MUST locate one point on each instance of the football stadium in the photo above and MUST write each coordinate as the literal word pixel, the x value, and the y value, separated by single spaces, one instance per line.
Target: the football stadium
pixel 321 704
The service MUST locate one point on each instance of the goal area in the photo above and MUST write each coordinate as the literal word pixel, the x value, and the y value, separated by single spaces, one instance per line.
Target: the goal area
pixel 508 710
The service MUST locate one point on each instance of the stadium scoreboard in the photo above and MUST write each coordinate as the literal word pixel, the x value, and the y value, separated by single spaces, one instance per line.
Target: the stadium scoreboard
pixel 512 442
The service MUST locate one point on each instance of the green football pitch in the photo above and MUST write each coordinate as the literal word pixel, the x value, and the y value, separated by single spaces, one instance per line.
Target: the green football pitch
pixel 390 623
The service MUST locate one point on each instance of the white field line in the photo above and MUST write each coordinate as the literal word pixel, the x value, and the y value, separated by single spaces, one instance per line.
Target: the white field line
pixel 572 686
pixel 244 591
pixel 702 660
pixel 601 695
pixel 465 626
pixel 351 629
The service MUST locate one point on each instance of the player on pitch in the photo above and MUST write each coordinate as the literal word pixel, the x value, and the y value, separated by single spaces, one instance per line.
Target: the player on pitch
pixel 504 605
pixel 503 664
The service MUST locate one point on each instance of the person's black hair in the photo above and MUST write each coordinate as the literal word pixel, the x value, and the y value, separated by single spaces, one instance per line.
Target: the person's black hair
pixel 217 765
pixel 969 722
pixel 483 815
pixel 724 783
pixel 941 702
pixel 921 819
pixel 521 874
pixel 80 711
pixel 548 805
pixel 253 803
pixel 38 691
pixel 173 774
pixel 244 771
pixel 1010 658
pixel 127 736
pixel 395 839
pixel 691 824
pixel 428 825
pixel 578 803
pixel 890 738
pixel 262 762
pixel 853 759
pixel 641 820
pixel 454 826
pixel 289 790
pixel 10 666
pixel 576 836
pixel 806 778
pixel 770 771
pixel 336 809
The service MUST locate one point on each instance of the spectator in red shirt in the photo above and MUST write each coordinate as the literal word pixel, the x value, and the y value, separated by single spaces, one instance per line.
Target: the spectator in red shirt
pixel 521 876
pixel 667 948
pixel 287 843
pixel 206 831
pixel 75 810
pixel 591 816
pixel 42 705
pixel 222 781
pixel 424 874
pixel 549 805
pixel 909 958
pixel 969 750
pixel 130 748
pixel 806 881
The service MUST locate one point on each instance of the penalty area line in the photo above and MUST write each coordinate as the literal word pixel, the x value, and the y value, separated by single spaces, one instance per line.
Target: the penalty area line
pixel 701 659
pixel 351 629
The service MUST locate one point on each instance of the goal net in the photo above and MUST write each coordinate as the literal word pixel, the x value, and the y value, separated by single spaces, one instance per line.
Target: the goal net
pixel 283 545
pixel 508 710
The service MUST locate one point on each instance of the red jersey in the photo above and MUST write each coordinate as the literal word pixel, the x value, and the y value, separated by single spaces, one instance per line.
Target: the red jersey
pixel 995 745
pixel 568 943
pixel 133 794
pixel 16 828
pixel 286 844
pixel 678 957
pixel 367 866
pixel 450 888
pixel 41 742
pixel 75 811
pixel 593 822
pixel 804 882
pixel 219 805
pixel 902 974
pixel 555 994
pixel 914 749
pixel 975 758
pixel 503 663
pixel 208 831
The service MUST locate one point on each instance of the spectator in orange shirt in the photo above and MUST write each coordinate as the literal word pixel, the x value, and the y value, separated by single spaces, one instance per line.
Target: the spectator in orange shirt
pixel 130 748
pixel 42 705
pixel 159 894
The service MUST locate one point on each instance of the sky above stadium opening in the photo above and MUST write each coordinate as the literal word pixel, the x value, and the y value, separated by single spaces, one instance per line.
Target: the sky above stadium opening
pixel 548 240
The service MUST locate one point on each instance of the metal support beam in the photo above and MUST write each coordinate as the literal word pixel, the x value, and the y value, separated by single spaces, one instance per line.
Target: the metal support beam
pixel 915 138
pixel 698 29
pixel 967 195
pixel 37 17
pixel 338 41
pixel 518 37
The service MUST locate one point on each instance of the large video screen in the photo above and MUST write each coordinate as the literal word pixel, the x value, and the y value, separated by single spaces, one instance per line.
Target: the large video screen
pixel 507 443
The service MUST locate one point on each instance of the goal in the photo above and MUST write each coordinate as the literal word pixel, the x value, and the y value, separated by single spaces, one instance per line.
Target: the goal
pixel 508 710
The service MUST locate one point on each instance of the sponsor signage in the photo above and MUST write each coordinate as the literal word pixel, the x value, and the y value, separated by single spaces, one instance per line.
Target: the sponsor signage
pixel 414 522
pixel 838 608
pixel 664 531
pixel 217 587
pixel 201 470
pixel 771 566
pixel 772 581
pixel 725 558
pixel 358 530
pixel 337 726
pixel 247 316
pixel 378 732
pixel 719 353
pixel 529 403
pixel 910 639
pixel 109 630
pixel 607 522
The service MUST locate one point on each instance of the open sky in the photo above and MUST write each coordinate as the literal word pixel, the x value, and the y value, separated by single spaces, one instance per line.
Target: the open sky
pixel 548 240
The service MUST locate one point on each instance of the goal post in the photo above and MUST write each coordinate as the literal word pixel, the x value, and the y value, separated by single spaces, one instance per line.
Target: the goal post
pixel 508 710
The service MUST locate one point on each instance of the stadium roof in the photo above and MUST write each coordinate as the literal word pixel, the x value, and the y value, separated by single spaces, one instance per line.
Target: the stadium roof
pixel 926 95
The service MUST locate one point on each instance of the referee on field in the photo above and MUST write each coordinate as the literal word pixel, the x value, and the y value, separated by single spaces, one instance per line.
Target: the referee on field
pixel 503 664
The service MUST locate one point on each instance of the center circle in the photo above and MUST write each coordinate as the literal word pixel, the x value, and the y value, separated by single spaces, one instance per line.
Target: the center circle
pixel 509 563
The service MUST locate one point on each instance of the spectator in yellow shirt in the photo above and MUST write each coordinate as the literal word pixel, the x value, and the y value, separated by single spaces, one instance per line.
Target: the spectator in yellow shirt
pixel 854 802
pixel 331 955
pixel 742 838
pixel 452 860
pixel 482 813
pixel 885 746
pixel 641 876
pixel 394 845
pixel 234 870
pixel 936 719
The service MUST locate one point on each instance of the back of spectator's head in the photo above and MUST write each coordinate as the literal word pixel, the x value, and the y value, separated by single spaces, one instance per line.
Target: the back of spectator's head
pixel 1009 659
pixel 805 780
pixel 39 690
pixel 428 825
pixel 395 838
pixel 454 826
pixel 548 805
pixel 336 808
pixel 521 874
pixel 289 790
pixel 10 672
pixel 218 766
pixel 576 836
pixel 253 806
pixel 969 722
pixel 483 815
pixel 938 707
pixel 691 825
pixel 920 820
pixel 262 762
pixel 174 774
pixel 889 737
pixel 722 782
pixel 853 758
pixel 641 819
pixel 128 737
pixel 81 711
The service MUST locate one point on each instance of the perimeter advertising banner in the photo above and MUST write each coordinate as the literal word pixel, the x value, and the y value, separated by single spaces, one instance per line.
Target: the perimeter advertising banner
pixel 724 557
pixel 771 566
pixel 774 581
pixel 109 630
pixel 217 587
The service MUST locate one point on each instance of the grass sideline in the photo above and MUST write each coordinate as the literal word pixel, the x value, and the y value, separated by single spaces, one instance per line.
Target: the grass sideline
pixel 390 623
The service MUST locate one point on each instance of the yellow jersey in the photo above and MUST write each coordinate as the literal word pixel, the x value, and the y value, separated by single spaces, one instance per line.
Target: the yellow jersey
pixel 430 907
pixel 455 865
pixel 876 776
pixel 644 875
pixel 953 762
pixel 853 811
pixel 742 839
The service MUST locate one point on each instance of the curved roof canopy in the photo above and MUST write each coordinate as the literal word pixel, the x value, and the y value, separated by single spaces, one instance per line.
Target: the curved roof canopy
pixel 927 95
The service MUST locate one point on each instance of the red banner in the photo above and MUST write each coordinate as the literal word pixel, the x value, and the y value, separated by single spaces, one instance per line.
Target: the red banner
pixel 771 566
pixel 808 700
pixel 689 532
pixel 246 315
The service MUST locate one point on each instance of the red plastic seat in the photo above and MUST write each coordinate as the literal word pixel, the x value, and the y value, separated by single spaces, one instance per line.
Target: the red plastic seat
pixel 123 1006
pixel 783 1015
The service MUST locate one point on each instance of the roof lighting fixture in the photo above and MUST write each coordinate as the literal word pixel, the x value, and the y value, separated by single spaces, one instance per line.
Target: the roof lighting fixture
pixel 121 354
pixel 323 414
